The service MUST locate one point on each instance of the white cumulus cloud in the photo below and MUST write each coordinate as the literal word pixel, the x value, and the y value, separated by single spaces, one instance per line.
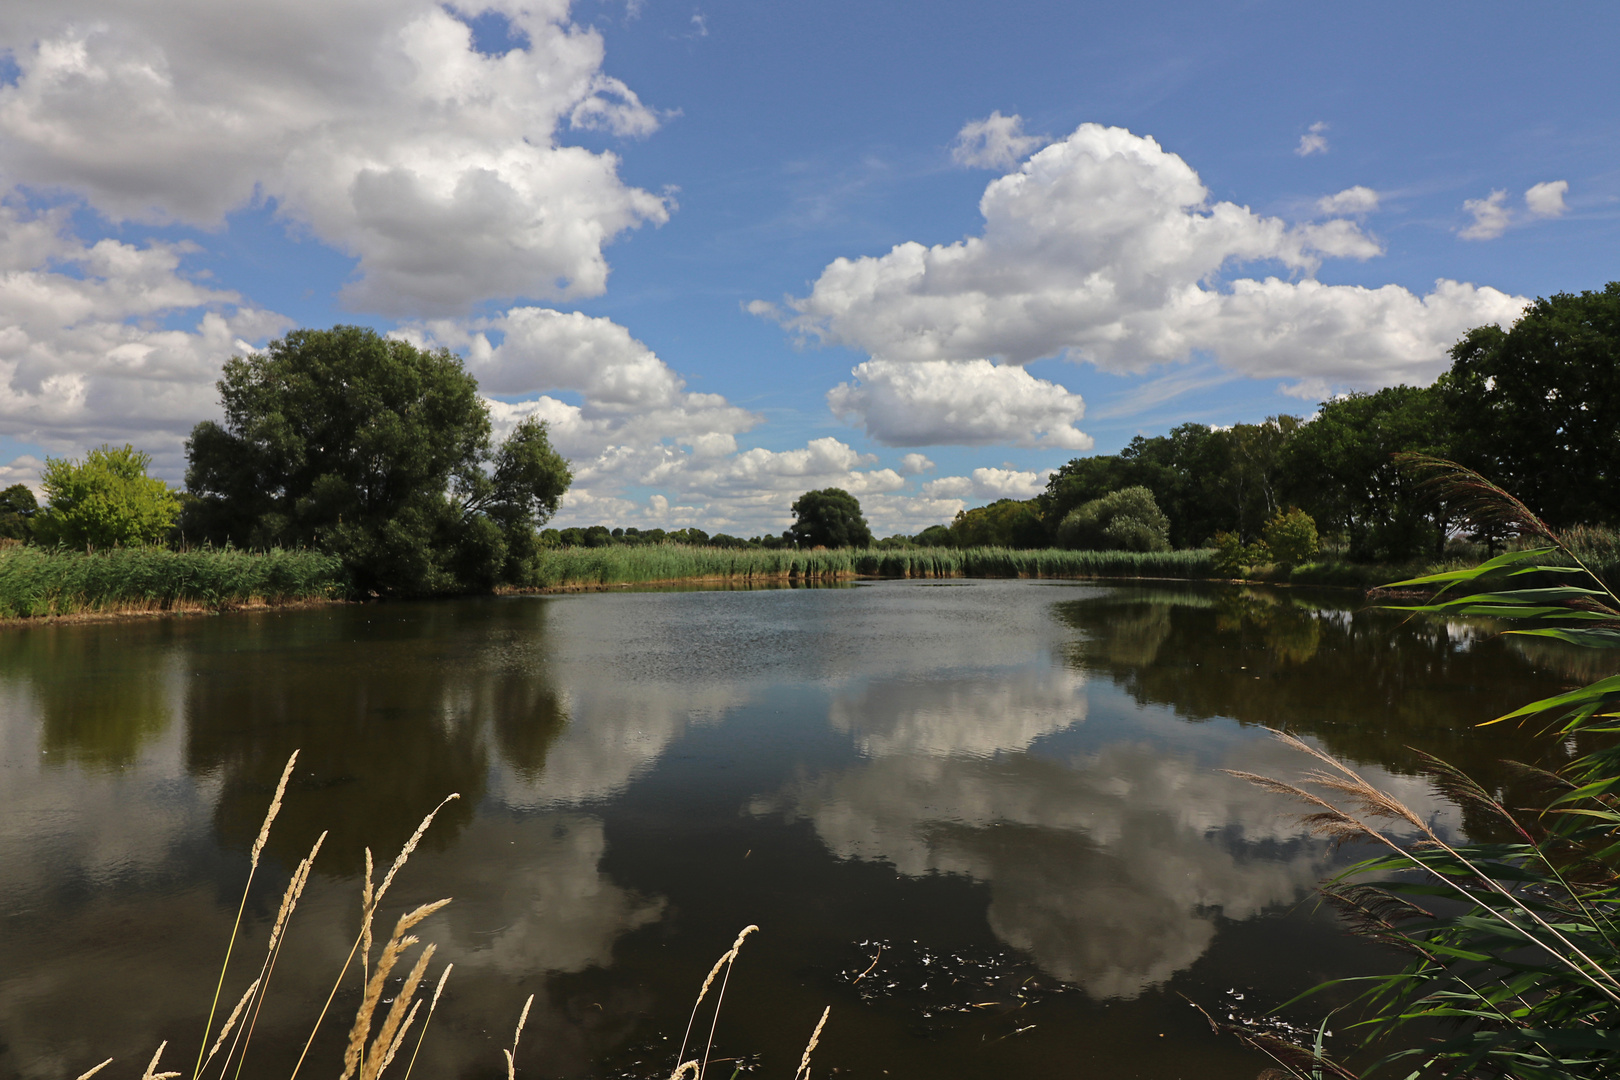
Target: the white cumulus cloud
pixel 1314 141
pixel 378 127
pixel 996 142
pixel 972 402
pixel 1547 198
pixel 1105 248
pixel 1491 217
pixel 1352 200
pixel 913 464
pixel 988 483
pixel 84 358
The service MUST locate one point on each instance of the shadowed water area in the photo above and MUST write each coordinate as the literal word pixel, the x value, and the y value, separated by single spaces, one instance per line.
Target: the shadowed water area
pixel 984 821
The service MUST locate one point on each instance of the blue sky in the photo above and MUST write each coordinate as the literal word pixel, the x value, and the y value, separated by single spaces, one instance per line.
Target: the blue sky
pixel 732 251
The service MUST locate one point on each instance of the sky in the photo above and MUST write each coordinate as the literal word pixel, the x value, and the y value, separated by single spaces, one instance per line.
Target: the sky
pixel 733 251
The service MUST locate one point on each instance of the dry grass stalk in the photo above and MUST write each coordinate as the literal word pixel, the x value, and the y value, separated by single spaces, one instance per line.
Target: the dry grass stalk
pixel 151 1072
pixel 815 1037
pixel 395 1022
pixel 230 1021
pixel 289 901
pixel 270 816
pixel 511 1055
pixel 434 1004
pixel 253 864
pixel 370 900
pixel 365 921
pixel 393 1047
pixel 92 1072
pixel 354 1057
pixel 725 961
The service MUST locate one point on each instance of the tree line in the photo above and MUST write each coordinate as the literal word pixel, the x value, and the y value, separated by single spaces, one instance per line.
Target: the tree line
pixel 1533 408
pixel 382 453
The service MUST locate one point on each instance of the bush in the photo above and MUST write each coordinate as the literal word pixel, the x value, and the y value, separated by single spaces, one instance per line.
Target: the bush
pixel 1291 538
pixel 1124 520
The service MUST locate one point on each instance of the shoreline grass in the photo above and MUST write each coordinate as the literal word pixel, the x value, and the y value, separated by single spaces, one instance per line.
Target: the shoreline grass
pixel 40 582
pixel 605 566
pixel 57 583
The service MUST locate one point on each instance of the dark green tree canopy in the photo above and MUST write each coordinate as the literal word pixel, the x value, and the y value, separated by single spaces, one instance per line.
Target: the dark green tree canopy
pixel 377 451
pixel 1004 523
pixel 1123 520
pixel 1534 408
pixel 17 509
pixel 830 518
pixel 1341 469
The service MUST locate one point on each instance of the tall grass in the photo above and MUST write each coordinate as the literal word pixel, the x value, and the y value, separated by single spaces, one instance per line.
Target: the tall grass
pixel 377 1035
pixel 677 562
pixel 37 581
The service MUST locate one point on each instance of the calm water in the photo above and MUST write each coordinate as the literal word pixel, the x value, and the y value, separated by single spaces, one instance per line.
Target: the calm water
pixel 1008 794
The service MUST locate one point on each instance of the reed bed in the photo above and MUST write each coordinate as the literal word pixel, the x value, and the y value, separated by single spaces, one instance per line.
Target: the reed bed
pixel 678 562
pixel 37 582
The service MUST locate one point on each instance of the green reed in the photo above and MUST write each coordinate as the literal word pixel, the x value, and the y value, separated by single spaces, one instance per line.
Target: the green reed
pixel 38 581
pixel 617 565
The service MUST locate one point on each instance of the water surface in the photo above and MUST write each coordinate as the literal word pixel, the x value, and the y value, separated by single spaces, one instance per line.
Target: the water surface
pixel 985 821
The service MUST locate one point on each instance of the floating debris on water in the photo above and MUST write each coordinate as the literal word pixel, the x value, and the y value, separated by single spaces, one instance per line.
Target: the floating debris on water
pixel 945 983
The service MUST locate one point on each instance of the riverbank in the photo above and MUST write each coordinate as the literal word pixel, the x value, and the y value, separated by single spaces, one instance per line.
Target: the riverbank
pixel 39 583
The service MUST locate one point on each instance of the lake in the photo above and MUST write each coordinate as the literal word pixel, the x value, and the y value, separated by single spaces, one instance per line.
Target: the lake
pixel 985 821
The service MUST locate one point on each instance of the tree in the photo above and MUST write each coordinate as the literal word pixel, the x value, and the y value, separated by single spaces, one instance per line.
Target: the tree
pixel 1290 537
pixel 17 509
pixel 1340 468
pixel 1007 523
pixel 378 452
pixel 105 500
pixel 1534 407
pixel 1127 520
pixel 830 518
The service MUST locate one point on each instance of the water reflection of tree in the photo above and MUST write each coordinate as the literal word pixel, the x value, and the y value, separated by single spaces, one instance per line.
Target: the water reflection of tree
pixel 388 706
pixel 101 696
pixel 1367 683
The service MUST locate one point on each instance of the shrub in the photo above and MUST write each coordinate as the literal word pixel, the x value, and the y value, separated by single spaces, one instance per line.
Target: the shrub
pixel 1291 537
pixel 1124 520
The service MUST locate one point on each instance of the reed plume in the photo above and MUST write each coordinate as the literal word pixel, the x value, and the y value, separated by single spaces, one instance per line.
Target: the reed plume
pixel 803 1071
pixel 511 1055
pixel 726 960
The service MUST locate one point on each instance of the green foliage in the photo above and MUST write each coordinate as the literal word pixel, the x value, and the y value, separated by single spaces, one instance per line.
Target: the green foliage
pixel 36 581
pixel 1124 520
pixel 1341 469
pixel 17 509
pixel 1515 932
pixel 1534 406
pixel 624 564
pixel 1003 523
pixel 104 501
pixel 1290 538
pixel 829 518
pixel 376 451
pixel 1233 558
